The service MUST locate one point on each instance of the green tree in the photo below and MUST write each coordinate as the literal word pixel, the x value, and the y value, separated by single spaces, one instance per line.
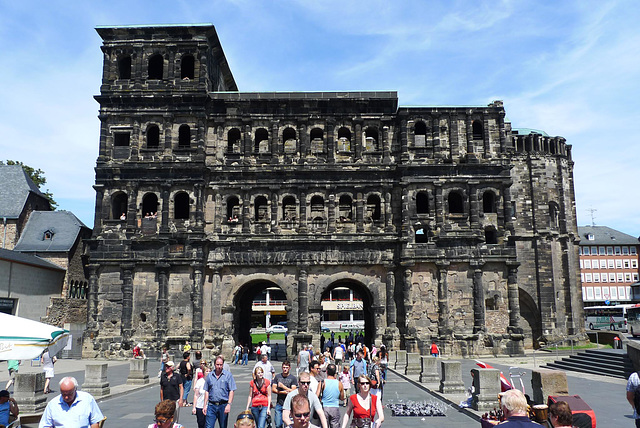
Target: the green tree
pixel 37 176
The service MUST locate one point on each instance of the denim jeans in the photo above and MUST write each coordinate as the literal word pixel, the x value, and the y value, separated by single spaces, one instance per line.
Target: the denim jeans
pixel 187 388
pixel 277 416
pixel 260 415
pixel 216 412
pixel 245 359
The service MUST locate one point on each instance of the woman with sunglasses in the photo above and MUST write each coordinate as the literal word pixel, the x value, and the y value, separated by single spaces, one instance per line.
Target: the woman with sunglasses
pixel 259 397
pixel 164 415
pixel 245 420
pixel 366 408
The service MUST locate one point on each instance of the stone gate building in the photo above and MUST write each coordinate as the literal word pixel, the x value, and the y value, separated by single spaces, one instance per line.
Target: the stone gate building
pixel 451 224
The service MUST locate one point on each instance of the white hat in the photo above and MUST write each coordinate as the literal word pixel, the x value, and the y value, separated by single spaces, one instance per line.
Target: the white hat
pixel 170 363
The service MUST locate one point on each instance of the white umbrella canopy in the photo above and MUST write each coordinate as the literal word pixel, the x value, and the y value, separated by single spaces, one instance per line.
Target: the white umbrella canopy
pixel 23 339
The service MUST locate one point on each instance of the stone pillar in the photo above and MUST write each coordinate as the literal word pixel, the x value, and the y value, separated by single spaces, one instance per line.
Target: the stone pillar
pixel 199 214
pixel 486 383
pixel 545 382
pixel 451 380
pixel 246 213
pixel 473 205
pixel 358 135
pixel 468 124
pixel 414 365
pixel 390 292
pixel 429 370
pixel 435 135
pixel 275 228
pixel 216 282
pixel 454 142
pixel 406 294
pixel 197 332
pixel 303 301
pixel 503 133
pixel 513 297
pixel 332 214
pixel 331 148
pixel 28 392
pixel 359 212
pixel 95 380
pixel 127 301
pixel 439 205
pixel 92 298
pixel 486 137
pixel 248 149
pixel 401 361
pixel 164 225
pixel 100 213
pixel 273 143
pixel 443 305
pixel 162 304
pixel 478 298
pixel 393 358
pixel 303 213
pixel 386 146
pixel 138 372
pixel 388 219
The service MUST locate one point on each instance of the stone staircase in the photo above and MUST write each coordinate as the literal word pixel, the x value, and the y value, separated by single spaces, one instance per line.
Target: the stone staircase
pixel 604 362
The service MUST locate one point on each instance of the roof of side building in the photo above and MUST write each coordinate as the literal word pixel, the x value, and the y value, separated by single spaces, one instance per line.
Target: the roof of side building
pixel 15 187
pixel 27 259
pixel 63 227
pixel 603 235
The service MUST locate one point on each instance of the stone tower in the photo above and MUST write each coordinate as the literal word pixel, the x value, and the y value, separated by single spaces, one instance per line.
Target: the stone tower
pixel 451 225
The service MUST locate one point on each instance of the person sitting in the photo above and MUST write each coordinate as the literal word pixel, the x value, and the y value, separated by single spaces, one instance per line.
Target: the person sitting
pixel 8 407
pixel 514 408
pixel 164 415
pixel 138 352
pixel 560 415
pixel 123 216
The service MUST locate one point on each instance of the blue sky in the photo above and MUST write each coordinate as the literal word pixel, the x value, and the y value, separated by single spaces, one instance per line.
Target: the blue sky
pixel 570 68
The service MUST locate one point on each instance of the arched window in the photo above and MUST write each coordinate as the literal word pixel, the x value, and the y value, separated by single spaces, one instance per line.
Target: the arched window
pixel 187 67
pixel 478 133
pixel 233 209
pixel 261 209
pixel 422 203
pixel 344 140
pixel 456 205
pixel 289 209
pixel 119 205
pixel 181 206
pixel 184 136
pixel 262 141
pixel 153 137
pixel 289 140
pixel 489 202
pixel 490 235
pixel 124 67
pixel 373 208
pixel 421 236
pixel 317 140
pixel 420 134
pixel 371 139
pixel 317 204
pixel 156 64
pixel 345 208
pixel 149 204
pixel 233 140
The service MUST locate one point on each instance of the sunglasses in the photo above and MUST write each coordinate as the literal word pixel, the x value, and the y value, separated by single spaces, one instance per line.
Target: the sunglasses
pixel 302 415
pixel 245 416
pixel 305 383
pixel 161 421
pixel 365 383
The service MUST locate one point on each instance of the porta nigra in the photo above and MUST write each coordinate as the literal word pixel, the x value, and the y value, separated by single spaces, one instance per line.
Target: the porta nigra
pixel 449 222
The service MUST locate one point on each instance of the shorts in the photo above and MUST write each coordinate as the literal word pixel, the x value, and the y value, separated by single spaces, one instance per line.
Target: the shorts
pixel 12 373
pixel 48 373
pixel 338 361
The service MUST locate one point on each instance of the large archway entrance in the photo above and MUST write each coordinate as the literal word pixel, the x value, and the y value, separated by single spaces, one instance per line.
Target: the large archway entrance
pixel 259 305
pixel 346 312
pixel 530 320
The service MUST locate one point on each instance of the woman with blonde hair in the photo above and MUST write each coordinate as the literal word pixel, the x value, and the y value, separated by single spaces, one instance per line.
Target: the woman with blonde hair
pixel 245 420
pixel 259 397
pixel 376 377
pixel 366 408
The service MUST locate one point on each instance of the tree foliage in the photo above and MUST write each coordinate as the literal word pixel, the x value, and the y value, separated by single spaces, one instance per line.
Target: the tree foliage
pixel 37 176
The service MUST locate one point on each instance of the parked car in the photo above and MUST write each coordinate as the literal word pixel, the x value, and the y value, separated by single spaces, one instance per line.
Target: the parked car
pixel 277 329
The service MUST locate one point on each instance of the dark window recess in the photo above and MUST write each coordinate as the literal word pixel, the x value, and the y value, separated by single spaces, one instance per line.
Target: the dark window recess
pixel 373 208
pixel 489 202
pixel 455 203
pixel 371 139
pixel 490 235
pixel 118 206
pixel 345 208
pixel 422 203
pixel 420 137
pixel 289 140
pixel 156 64
pixel 233 209
pixel 153 136
pixel 184 136
pixel 317 142
pixel 289 208
pixel 187 67
pixel 233 140
pixel 261 209
pixel 421 236
pixel 478 133
pixel 181 206
pixel 124 68
pixel 262 141
pixel 121 139
pixel 317 204
pixel 149 204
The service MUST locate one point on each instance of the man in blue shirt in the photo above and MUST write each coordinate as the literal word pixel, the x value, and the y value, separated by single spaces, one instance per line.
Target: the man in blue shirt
pixel 358 367
pixel 219 389
pixel 72 408
pixel 8 406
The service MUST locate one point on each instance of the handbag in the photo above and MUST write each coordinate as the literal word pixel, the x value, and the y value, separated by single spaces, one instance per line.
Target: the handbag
pixel 364 422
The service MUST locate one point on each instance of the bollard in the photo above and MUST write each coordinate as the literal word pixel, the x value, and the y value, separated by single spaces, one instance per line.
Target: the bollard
pixel 545 382
pixel 138 372
pixel 486 384
pixel 429 373
pixel 413 364
pixel 451 381
pixel 28 392
pixel 393 357
pixel 401 361
pixel 95 380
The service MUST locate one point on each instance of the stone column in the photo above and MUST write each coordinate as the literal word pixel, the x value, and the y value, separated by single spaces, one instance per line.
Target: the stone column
pixel 162 305
pixel 486 384
pixel 406 293
pixel 127 301
pixel 386 145
pixel 331 224
pixel 164 226
pixel 103 153
pixel 414 365
pixel 303 301
pixel 100 215
pixel 359 212
pixel 95 380
pixel 503 133
pixel 248 144
pixel 469 128
pixel 404 149
pixel 138 372
pixel 358 147
pixel 302 228
pixel 478 298
pixel 439 205
pixel 216 282
pixel 28 392
pixel 132 209
pixel 473 205
pixel 273 137
pixel 486 137
pixel 451 380
pixel 246 212
pixel 401 360
pixel 331 148
pixel 454 143
pixel 197 332
pixel 513 297
pixel 304 143
pixel 275 224
pixel 406 220
pixel 390 292
pixel 199 214
pixel 443 304
pixel 388 216
pixel 429 370
pixel 92 298
pixel 435 135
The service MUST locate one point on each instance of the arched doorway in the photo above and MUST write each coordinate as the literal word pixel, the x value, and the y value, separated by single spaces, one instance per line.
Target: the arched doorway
pixel 347 311
pixel 530 320
pixel 258 305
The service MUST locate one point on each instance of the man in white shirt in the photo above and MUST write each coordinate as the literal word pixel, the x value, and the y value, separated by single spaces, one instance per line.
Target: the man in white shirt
pixel 267 368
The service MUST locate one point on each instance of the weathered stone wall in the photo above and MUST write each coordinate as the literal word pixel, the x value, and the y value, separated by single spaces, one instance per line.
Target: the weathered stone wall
pixel 9 234
pixel 63 310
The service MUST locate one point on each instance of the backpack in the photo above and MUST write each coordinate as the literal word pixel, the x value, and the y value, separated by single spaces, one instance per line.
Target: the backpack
pixel 258 351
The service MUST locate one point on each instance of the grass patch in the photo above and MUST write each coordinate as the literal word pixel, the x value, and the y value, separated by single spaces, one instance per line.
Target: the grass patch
pixel 262 337
pixel 589 346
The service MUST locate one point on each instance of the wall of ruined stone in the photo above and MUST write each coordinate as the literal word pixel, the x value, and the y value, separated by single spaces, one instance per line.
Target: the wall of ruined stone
pixel 63 310
pixel 9 234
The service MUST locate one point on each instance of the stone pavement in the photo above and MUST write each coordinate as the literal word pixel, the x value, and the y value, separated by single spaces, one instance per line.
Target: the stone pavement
pixel 134 405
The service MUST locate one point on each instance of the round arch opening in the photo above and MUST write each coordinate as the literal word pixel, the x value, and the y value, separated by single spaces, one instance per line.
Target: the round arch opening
pixel 347 311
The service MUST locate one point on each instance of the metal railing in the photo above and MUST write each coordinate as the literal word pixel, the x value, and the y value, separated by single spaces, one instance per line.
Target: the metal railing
pixel 570 339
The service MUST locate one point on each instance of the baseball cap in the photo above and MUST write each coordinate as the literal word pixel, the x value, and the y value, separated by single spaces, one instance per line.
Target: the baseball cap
pixel 4 393
pixel 170 364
